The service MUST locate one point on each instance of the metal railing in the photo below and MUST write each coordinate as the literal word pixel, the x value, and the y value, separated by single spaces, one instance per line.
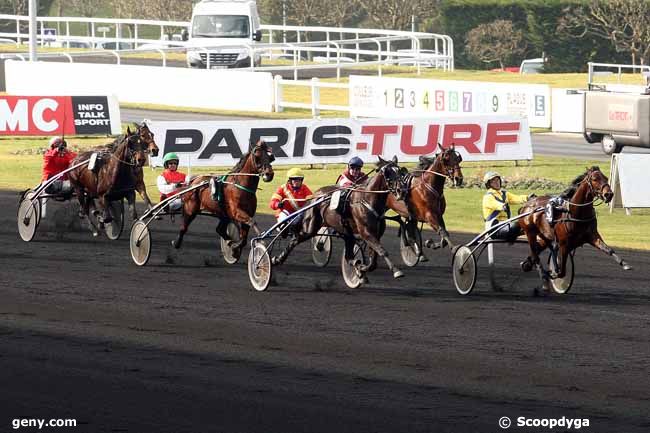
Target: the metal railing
pixel 82 31
pixel 619 70
pixel 314 105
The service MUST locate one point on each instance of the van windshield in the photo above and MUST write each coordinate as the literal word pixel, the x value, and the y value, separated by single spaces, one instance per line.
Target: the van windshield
pixel 220 26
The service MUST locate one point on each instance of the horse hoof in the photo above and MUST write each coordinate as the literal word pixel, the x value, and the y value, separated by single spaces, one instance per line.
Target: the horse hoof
pixel 275 261
pixel 423 258
pixel 176 245
pixel 95 234
pixel 429 243
pixel 627 267
pixel 526 266
pixel 398 274
pixel 364 280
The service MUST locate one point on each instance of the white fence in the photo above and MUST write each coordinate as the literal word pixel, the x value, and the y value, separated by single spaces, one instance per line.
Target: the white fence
pixel 333 42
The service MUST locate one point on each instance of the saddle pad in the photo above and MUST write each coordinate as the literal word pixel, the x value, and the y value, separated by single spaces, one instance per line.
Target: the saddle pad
pixel 334 201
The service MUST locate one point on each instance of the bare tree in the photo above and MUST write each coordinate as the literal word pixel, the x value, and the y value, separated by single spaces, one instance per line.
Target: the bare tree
pixel 497 41
pixel 337 13
pixel 622 22
pixel 14 7
pixel 84 8
pixel 396 14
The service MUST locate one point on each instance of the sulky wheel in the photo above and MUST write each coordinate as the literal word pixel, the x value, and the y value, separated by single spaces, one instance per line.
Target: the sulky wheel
pixel 114 228
pixel 463 267
pixel 28 217
pixel 259 267
pixel 561 285
pixel 140 243
pixel 352 279
pixel 321 247
pixel 227 250
pixel 407 247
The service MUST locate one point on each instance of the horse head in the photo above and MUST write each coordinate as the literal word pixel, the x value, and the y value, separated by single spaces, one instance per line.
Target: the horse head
pixel 450 160
pixel 262 157
pixel 394 177
pixel 136 148
pixel 598 184
pixel 146 137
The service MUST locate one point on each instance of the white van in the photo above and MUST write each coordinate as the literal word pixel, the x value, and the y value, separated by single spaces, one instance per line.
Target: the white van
pixel 218 23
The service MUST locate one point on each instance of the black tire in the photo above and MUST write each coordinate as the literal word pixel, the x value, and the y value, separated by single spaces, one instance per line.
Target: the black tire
pixel 610 146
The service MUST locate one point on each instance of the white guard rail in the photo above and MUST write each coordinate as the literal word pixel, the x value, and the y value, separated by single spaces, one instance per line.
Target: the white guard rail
pixel 597 70
pixel 439 48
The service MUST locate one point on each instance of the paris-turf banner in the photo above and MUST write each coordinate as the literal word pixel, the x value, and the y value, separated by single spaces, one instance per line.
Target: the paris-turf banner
pixel 316 141
pixel 59 115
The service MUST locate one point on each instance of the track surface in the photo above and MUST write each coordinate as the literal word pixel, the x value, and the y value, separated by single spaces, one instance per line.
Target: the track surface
pixel 185 345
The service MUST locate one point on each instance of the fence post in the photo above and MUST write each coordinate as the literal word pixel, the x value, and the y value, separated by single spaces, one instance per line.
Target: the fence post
pixel 315 97
pixel 277 83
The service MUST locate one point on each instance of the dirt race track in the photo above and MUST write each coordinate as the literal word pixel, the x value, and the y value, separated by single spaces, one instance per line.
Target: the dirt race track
pixel 185 345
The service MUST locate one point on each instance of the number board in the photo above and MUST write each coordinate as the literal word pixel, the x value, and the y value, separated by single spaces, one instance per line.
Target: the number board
pixel 379 96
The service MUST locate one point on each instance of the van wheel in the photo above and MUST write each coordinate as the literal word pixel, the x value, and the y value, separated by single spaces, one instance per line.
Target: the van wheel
pixel 592 137
pixel 610 146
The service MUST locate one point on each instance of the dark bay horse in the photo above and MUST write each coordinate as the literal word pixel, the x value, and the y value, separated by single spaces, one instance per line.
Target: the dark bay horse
pixel 239 200
pixel 425 200
pixel 363 215
pixel 574 228
pixel 146 138
pixel 113 180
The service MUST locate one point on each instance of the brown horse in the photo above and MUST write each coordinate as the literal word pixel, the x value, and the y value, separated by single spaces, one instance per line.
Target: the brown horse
pixel 574 228
pixel 363 215
pixel 425 200
pixel 113 180
pixel 239 200
pixel 146 137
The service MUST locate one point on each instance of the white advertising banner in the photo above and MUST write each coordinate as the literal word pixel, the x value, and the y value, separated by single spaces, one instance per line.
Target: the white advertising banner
pixel 183 87
pixel 381 97
pixel 628 171
pixel 316 141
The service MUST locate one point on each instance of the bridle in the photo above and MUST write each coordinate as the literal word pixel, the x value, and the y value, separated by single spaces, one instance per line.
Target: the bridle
pixel 258 161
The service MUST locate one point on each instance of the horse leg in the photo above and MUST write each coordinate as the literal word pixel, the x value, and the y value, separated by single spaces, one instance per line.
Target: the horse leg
pixel 142 190
pixel 106 216
pixel 130 198
pixel 244 228
pixel 376 246
pixel 188 217
pixel 600 244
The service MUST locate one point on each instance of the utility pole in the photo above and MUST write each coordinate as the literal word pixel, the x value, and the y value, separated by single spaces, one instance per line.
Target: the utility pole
pixel 33 11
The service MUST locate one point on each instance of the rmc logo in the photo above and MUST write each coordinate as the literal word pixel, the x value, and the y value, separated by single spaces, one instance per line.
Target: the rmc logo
pixel 338 140
pixel 29 115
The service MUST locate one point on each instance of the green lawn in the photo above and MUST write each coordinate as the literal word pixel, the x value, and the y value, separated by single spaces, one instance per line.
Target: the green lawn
pixel 20 164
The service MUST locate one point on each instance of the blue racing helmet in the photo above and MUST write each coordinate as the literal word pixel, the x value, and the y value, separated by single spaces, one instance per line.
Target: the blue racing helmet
pixel 356 161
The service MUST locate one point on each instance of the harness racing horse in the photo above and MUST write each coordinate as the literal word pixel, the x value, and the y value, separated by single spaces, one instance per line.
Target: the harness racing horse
pixel 576 227
pixel 113 180
pixel 238 200
pixel 424 200
pixel 146 137
pixel 362 215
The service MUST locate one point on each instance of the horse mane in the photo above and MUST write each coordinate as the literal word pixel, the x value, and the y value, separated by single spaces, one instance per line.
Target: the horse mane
pixel 240 164
pixel 424 163
pixel 573 187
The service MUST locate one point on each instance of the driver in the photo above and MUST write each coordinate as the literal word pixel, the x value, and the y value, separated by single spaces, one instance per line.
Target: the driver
pixel 292 196
pixel 171 180
pixel 496 207
pixel 55 160
pixel 352 175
